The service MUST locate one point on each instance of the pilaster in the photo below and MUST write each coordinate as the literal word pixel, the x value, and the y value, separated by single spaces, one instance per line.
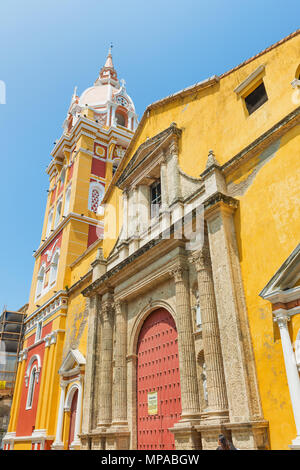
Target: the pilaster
pixel 238 358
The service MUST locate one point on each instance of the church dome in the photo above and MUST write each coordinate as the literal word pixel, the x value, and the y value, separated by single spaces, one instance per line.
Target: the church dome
pixel 107 97
pixel 96 95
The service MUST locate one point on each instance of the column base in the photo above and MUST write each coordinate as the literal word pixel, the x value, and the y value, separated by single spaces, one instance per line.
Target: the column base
pixel 57 446
pixel 251 435
pixel 97 439
pixel 186 435
pixel 295 444
pixel 218 417
pixel 210 434
pixel 75 445
pixel 117 438
pixel 244 436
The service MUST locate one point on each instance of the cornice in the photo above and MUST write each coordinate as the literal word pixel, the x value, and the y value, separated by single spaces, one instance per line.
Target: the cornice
pixel 156 141
pixel 281 296
pixel 62 224
pixel 163 237
pixel 51 306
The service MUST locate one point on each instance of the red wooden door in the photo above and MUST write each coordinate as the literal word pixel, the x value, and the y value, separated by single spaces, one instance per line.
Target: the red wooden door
pixel 158 382
pixel 72 418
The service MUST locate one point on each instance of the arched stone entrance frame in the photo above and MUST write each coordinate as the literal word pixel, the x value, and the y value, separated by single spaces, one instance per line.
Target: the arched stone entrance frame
pixel 141 317
pixel 132 359
pixel 75 387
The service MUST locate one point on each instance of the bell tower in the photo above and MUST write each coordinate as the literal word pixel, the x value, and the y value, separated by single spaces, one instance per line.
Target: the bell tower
pixel 97 130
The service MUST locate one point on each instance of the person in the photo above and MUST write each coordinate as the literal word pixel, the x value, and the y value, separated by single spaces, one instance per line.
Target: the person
pixel 224 444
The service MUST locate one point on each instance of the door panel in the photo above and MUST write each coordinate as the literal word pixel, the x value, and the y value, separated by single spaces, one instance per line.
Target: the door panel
pixel 158 381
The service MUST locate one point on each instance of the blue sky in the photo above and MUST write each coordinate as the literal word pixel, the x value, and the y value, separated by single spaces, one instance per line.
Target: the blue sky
pixel 48 47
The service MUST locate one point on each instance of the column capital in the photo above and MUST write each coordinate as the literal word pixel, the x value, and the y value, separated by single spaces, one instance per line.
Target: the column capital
pixel 63 384
pixel 282 319
pixel 119 306
pixel 107 309
pixel 201 259
pixel 178 272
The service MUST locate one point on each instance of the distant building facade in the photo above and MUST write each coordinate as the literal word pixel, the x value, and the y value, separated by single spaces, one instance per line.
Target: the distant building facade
pixel 165 303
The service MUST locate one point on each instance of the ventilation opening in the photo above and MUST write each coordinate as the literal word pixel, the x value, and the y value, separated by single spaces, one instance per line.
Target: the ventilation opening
pixel 256 99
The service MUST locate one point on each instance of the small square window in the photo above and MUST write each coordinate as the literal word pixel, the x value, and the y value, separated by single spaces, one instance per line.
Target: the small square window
pixel 256 99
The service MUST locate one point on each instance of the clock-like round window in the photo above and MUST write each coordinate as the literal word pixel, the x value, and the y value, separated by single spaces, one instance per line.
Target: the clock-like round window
pixel 121 100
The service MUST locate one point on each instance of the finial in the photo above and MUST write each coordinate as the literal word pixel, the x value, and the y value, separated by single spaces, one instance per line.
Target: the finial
pixel 211 160
pixel 99 255
pixel 110 49
pixel 74 92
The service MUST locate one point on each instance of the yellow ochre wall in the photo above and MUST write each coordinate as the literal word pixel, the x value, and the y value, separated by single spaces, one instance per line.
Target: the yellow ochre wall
pixel 267 221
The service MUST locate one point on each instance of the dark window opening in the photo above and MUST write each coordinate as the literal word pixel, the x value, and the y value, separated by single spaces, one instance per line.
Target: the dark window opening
pixel 155 195
pixel 256 99
pixel 114 169
pixel 120 119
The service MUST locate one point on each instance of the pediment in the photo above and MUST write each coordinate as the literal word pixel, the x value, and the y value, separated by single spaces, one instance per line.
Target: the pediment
pixel 72 363
pixel 286 281
pixel 145 152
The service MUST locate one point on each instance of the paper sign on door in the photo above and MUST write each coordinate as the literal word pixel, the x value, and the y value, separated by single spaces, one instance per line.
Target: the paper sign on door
pixel 152 403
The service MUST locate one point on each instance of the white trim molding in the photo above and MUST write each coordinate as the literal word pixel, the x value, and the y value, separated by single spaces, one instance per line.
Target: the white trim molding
pixel 251 78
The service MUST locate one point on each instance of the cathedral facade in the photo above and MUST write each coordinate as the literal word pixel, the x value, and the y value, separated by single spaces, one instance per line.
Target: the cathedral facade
pixel 165 302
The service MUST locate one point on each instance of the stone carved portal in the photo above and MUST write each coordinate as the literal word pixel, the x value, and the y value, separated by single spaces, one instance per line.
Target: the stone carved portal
pixel 158 382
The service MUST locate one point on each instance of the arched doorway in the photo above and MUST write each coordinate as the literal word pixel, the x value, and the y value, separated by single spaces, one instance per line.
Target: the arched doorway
pixel 158 382
pixel 72 418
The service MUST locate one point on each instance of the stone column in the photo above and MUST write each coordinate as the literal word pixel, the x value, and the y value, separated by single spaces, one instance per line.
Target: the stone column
pixel 106 353
pixel 186 436
pixel 164 185
pixel 216 387
pixel 132 211
pixel 143 208
pixel 291 372
pixel 58 444
pixel 119 400
pixel 124 234
pixel 93 305
pixel 173 172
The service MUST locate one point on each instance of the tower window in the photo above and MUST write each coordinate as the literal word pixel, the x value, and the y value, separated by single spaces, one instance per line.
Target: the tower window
pixel 49 224
pixel 95 197
pixel 58 213
pixel 120 118
pixel 38 333
pixel 256 99
pixel 31 388
pixel 67 201
pixel 40 281
pixel 53 269
pixel 155 195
